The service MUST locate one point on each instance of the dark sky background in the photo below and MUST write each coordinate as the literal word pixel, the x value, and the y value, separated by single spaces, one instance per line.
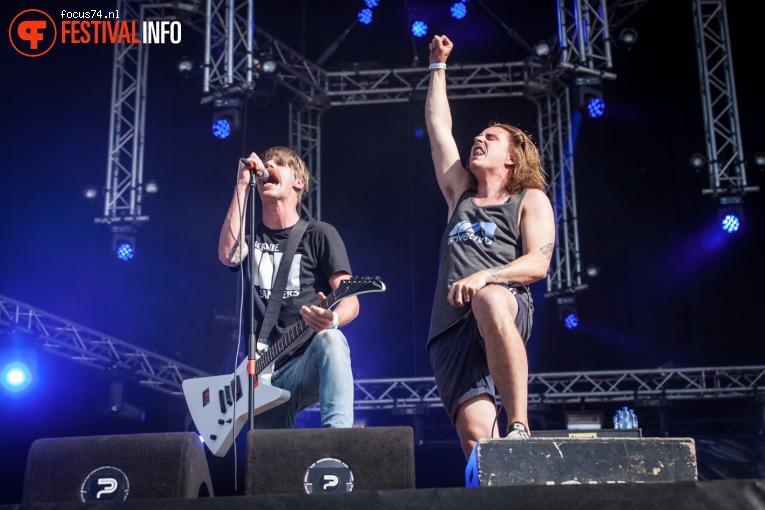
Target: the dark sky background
pixel 671 290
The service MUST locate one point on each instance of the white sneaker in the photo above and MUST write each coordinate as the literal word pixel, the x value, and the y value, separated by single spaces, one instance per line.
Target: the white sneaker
pixel 518 431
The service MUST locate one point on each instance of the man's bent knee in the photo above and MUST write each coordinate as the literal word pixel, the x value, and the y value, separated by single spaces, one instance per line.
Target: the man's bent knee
pixel 494 299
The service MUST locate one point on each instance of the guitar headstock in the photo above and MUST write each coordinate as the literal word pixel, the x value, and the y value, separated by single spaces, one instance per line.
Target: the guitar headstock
pixel 359 285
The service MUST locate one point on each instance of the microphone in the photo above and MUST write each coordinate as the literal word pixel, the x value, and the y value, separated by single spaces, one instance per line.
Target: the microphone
pixel 251 166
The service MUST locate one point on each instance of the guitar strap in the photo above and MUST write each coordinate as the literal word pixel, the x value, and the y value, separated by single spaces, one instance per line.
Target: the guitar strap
pixel 280 284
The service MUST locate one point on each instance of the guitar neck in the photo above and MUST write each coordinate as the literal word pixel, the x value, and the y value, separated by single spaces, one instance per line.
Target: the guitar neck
pixel 278 347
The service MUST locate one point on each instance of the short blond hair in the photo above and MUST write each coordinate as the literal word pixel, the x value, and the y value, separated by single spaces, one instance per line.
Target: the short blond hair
pixel 285 156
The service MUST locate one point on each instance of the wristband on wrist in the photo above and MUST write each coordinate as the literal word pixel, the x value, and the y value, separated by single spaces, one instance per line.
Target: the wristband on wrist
pixel 334 321
pixel 440 65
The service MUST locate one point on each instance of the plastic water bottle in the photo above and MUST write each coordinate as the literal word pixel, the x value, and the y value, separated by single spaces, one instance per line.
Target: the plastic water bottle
pixel 634 419
pixel 617 420
pixel 625 418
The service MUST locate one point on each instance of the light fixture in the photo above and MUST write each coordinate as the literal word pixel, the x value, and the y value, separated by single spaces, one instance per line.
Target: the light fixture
pixel 419 28
pixel 90 192
pixel 628 38
pixel 567 311
pixel 730 214
pixel 151 187
pixel 458 10
pixel 117 407
pixel 592 270
pixel 365 16
pixel 265 65
pixel 123 242
pixel 698 162
pixel 187 67
pixel 227 117
pixel 542 50
pixel 589 96
pixel 759 160
pixel 18 366
pixel 372 3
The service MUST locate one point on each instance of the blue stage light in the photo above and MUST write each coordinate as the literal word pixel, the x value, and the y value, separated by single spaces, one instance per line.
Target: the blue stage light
pixel 419 133
pixel 419 28
pixel 571 321
pixel 221 128
pixel 458 10
pixel 16 376
pixel 365 16
pixel 731 223
pixel 372 3
pixel 595 107
pixel 125 251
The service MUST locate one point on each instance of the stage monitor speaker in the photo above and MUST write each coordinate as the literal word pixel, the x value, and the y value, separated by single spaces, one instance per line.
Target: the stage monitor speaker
pixel 116 468
pixel 300 461
pixel 566 460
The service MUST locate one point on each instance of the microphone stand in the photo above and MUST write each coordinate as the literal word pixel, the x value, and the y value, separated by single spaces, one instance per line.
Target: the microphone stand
pixel 252 348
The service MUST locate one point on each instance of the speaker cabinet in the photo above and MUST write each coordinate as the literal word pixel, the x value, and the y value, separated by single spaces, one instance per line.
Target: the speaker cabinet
pixel 300 461
pixel 116 468
pixel 566 460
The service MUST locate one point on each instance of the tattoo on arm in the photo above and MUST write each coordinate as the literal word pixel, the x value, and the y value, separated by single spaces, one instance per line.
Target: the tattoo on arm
pixel 547 250
pixel 233 250
pixel 499 272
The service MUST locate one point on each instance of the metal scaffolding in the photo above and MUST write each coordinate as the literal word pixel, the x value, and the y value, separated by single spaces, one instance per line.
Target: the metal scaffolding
pixel 96 350
pixel 725 155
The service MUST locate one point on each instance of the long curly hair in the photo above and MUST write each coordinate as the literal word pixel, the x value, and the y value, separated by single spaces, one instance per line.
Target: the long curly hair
pixel 528 171
pixel 288 157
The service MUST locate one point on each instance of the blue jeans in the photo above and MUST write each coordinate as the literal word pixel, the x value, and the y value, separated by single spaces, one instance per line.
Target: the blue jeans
pixel 322 374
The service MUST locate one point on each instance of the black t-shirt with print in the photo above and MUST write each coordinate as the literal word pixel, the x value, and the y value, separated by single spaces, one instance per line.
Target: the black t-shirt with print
pixel 320 254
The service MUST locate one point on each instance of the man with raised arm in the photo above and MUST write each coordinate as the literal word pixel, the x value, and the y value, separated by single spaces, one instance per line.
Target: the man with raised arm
pixel 499 239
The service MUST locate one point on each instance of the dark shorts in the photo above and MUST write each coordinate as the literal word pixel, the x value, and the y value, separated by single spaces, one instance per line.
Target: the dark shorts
pixel 458 358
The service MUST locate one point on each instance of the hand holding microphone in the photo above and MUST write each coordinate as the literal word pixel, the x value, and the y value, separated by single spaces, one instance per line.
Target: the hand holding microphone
pixel 250 165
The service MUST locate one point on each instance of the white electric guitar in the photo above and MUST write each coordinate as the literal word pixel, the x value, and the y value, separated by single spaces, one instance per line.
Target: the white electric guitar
pixel 218 404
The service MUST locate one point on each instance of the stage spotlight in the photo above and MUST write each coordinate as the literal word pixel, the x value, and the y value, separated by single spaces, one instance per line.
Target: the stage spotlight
pixel 567 311
pixel 542 50
pixel 628 38
pixel 90 192
pixel 187 67
pixel 17 369
pixel 419 28
pixel 151 187
pixel 731 214
pixel 419 133
pixel 265 65
pixel 459 10
pixel 118 408
pixel 592 270
pixel 589 96
pixel 698 162
pixel 372 3
pixel 227 117
pixel 365 16
pixel 123 241
pixel 759 160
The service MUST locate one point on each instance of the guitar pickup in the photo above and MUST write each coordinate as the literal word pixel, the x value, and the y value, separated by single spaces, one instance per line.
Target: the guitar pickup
pixel 228 396
pixel 237 384
pixel 221 398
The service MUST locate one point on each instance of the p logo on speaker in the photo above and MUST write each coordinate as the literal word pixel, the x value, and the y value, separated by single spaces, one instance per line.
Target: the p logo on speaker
pixel 106 483
pixel 328 475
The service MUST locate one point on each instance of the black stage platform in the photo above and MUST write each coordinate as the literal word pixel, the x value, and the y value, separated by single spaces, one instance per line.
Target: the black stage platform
pixel 704 495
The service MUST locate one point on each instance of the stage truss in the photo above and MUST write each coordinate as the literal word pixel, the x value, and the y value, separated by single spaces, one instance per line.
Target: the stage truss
pixel 88 347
